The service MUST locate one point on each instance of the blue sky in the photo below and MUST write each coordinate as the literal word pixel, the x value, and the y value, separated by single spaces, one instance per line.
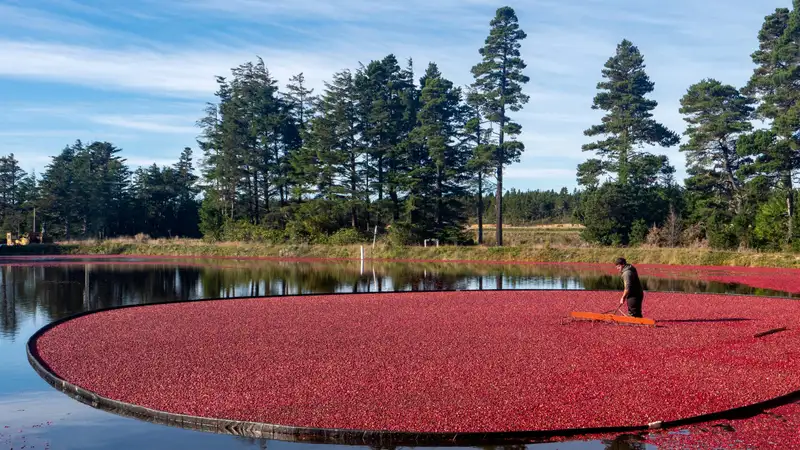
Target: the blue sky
pixel 138 72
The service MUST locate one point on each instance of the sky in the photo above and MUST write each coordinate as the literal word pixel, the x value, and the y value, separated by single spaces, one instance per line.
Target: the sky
pixel 138 73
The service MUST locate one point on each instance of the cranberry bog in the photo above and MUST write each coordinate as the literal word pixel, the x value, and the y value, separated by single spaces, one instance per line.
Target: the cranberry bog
pixel 437 368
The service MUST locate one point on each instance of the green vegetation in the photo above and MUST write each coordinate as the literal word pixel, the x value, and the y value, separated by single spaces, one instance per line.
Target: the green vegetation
pixel 537 253
pixel 381 154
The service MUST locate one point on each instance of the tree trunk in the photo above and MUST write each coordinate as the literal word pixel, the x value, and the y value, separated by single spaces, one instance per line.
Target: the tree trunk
pixel 480 208
pixel 623 166
pixel 395 204
pixel 439 205
pixel 249 190
pixel 501 157
pixel 789 207
pixel 257 205
pixel 727 166
pixel 498 195
pixel 623 159
pixel 353 190
pixel 380 178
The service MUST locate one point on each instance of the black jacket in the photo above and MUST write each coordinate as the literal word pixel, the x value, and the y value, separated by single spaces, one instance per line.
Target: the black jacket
pixel 631 279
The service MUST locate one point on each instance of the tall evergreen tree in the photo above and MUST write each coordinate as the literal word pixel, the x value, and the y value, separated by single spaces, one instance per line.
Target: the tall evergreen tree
pixel 61 191
pixel 301 103
pixel 30 194
pixel 383 88
pixel 185 191
pixel 480 164
pixel 628 123
pixel 717 115
pixel 436 176
pixel 300 99
pixel 775 83
pixel 11 193
pixel 220 163
pixel 499 79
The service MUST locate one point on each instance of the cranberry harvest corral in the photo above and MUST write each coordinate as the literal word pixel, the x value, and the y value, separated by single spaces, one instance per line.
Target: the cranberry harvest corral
pixel 434 362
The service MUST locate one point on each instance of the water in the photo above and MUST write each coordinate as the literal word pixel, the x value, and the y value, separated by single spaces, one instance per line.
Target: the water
pixel 34 415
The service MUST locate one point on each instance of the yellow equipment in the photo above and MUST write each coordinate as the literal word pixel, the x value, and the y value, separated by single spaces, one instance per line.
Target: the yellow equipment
pixel 24 240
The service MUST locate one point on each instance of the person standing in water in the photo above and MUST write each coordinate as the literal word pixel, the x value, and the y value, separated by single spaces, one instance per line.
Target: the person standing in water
pixel 633 293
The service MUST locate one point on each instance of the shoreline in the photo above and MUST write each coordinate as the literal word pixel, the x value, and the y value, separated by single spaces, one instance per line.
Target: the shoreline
pixel 590 256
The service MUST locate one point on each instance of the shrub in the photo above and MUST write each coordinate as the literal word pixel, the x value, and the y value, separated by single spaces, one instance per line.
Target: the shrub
pixel 346 236
pixel 694 236
pixel 638 233
pixel 399 235
pixel 654 237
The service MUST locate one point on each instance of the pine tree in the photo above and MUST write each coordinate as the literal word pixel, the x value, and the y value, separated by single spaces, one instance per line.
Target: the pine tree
pixel 437 174
pixel 300 99
pixel 775 84
pixel 717 115
pixel 185 191
pixel 337 163
pixel 301 103
pixel 499 79
pixel 11 194
pixel 480 140
pixel 383 108
pixel 628 123
pixel 61 191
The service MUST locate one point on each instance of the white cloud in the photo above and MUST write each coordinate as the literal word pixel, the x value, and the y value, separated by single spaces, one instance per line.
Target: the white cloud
pixel 568 43
pixel 149 123
pixel 423 11
pixel 37 20
pixel 177 72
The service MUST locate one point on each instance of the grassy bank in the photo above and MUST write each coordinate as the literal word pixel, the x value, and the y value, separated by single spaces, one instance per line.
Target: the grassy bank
pixel 185 247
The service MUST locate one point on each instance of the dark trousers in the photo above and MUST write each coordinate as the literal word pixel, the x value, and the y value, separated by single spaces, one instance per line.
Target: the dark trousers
pixel 635 305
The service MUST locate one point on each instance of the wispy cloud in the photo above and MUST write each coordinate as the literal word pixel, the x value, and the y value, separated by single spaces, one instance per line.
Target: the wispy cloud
pixel 149 123
pixel 568 42
pixel 187 73
pixel 426 12
pixel 21 18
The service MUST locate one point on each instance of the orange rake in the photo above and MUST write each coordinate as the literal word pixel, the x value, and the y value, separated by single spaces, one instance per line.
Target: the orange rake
pixel 606 317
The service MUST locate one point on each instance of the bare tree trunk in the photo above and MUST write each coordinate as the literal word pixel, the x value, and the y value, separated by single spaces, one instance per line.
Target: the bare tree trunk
pixel 789 208
pixel 480 208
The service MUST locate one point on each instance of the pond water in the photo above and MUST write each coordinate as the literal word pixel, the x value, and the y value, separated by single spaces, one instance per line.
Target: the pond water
pixel 34 293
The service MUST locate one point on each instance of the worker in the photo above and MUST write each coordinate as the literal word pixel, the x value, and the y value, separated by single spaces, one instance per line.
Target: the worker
pixel 633 293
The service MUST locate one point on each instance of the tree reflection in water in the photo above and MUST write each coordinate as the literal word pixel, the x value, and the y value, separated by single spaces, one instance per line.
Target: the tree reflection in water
pixel 59 290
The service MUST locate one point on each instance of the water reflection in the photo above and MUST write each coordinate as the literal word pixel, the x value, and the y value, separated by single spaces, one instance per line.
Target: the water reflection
pixel 58 291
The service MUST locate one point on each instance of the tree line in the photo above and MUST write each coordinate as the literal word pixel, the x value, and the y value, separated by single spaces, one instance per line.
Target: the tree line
pixel 376 149
pixel 380 150
pixel 740 189
pixel 89 191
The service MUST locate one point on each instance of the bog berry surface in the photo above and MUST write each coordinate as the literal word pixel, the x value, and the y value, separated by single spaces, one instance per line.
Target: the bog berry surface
pixel 435 362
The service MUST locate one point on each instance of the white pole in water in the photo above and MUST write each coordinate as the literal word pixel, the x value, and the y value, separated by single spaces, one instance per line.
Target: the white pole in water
pixel 374 236
pixel 362 260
